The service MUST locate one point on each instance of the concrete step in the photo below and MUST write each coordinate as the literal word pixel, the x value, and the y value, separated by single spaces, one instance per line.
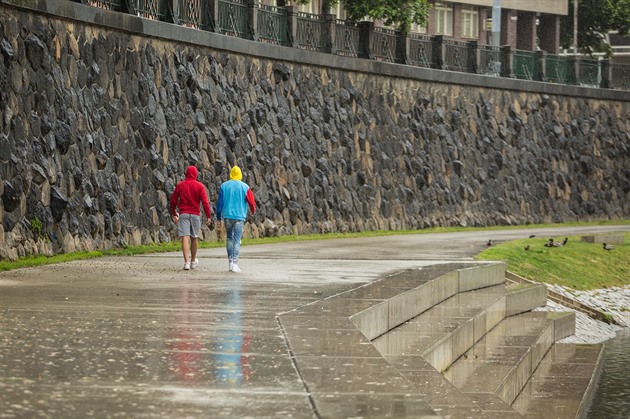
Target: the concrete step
pixel 330 340
pixel 495 370
pixel 562 385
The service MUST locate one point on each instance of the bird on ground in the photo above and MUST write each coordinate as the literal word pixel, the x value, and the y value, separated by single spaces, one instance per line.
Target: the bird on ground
pixel 552 243
pixel 489 243
pixel 527 247
pixel 532 236
pixel 608 246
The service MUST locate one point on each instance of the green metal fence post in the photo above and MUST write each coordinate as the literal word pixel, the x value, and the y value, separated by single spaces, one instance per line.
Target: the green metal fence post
pixel 473 57
pixel 292 25
pixel 575 69
pixel 331 25
pixel 507 61
pixel 606 70
pixel 366 34
pixel 541 56
pixel 439 52
pixel 252 7
pixel 402 48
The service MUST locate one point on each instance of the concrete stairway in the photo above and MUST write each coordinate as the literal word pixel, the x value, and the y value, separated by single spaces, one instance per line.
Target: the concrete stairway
pixel 447 340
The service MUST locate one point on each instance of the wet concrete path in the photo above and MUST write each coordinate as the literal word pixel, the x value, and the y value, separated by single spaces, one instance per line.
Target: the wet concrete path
pixel 139 337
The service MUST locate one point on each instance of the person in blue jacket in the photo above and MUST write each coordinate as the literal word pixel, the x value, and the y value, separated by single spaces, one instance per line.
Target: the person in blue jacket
pixel 235 196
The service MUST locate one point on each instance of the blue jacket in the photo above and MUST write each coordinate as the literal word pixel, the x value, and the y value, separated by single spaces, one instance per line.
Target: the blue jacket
pixel 235 197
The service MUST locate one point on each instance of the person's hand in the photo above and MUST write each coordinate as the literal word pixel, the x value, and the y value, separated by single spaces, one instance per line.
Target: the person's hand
pixel 209 224
pixel 175 218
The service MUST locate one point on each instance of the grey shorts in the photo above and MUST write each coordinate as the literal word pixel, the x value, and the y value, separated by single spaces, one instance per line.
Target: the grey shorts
pixel 189 225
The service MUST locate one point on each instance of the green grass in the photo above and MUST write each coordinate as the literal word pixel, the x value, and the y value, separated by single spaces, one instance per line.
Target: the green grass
pixel 578 265
pixel 31 261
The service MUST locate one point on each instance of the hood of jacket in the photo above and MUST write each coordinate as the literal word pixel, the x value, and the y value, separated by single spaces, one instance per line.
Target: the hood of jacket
pixel 236 174
pixel 191 173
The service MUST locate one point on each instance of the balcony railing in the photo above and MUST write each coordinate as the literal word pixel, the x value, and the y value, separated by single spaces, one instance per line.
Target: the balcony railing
pixel 324 33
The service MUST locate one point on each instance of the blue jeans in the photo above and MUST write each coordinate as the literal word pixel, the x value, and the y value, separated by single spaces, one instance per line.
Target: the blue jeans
pixel 234 232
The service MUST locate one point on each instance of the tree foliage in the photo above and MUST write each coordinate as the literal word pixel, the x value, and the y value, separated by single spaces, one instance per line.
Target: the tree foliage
pixel 595 19
pixel 398 13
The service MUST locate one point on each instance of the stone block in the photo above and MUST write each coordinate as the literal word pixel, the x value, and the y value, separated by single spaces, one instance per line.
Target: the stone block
pixel 373 321
pixel 446 286
pixel 481 276
pixel 516 379
pixel 463 339
pixel 440 355
pixel 495 314
pixel 525 297
pixel 409 304
pixel 564 324
pixel 607 238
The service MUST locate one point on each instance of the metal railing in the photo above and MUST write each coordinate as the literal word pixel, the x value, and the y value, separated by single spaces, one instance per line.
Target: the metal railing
pixel 384 45
pixel 312 32
pixel 559 69
pixel 620 78
pixel 115 5
pixel 421 50
pixel 150 9
pixel 489 60
pixel 456 56
pixel 234 18
pixel 525 65
pixel 282 26
pixel 589 72
pixel 346 39
pixel 193 13
pixel 272 25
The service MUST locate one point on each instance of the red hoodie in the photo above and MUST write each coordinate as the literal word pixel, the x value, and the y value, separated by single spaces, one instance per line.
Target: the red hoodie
pixel 188 194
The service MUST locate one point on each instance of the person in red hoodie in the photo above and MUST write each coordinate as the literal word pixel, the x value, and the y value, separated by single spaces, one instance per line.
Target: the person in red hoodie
pixel 187 197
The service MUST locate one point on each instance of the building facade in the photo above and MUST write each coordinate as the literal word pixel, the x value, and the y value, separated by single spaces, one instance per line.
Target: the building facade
pixel 525 24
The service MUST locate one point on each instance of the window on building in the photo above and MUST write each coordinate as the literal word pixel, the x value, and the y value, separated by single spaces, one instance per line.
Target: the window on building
pixel 470 23
pixel 443 19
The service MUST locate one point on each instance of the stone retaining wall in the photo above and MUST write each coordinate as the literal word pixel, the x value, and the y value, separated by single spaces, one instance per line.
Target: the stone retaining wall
pixel 97 125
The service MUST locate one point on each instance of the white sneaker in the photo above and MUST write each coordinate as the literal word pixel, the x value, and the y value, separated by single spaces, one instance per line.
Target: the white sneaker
pixel 235 268
pixel 187 266
pixel 194 264
pixel 231 266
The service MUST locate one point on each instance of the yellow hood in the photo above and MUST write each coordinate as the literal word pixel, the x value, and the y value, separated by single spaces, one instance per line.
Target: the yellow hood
pixel 235 173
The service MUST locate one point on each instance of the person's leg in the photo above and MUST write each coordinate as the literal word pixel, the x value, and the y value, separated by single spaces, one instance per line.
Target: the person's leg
pixel 184 230
pixel 238 234
pixel 229 240
pixel 195 229
pixel 193 252
pixel 186 251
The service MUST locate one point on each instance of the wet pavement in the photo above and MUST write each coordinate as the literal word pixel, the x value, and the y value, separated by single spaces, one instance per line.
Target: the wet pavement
pixel 140 337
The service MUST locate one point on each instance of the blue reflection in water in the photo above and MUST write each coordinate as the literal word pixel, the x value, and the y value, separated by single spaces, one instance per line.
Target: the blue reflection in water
pixel 231 365
pixel 612 395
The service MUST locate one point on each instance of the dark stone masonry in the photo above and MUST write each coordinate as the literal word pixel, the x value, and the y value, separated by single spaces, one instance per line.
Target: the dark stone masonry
pixel 97 126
